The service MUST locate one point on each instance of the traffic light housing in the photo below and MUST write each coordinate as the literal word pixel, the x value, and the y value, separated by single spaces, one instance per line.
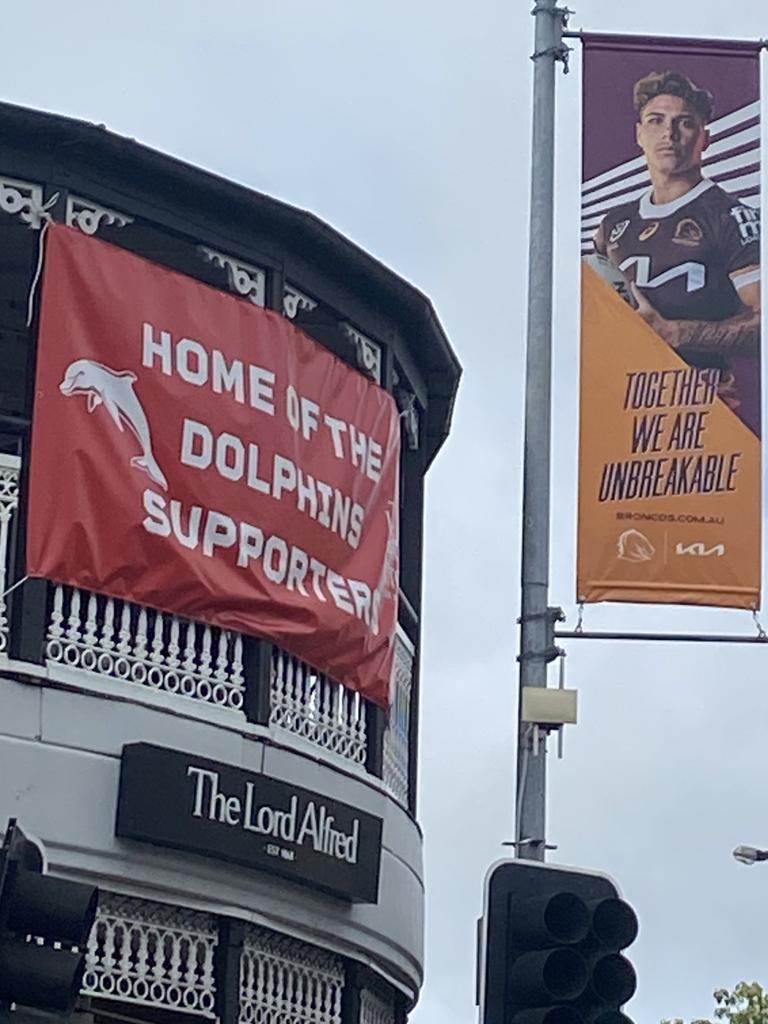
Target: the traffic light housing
pixel 41 919
pixel 551 944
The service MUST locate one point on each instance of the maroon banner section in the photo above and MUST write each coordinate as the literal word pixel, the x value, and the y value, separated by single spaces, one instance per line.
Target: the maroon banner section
pixel 202 456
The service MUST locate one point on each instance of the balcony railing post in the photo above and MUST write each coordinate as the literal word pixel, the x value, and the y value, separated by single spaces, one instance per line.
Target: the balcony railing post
pixel 257 667
pixel 350 994
pixel 375 724
pixel 226 968
pixel 29 617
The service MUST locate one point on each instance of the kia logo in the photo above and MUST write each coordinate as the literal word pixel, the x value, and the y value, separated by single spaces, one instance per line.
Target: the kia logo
pixel 700 550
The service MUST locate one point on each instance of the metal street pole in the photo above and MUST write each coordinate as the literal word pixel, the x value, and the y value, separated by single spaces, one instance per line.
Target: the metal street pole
pixel 536 624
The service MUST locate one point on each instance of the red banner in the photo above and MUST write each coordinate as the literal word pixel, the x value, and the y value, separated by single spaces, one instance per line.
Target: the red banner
pixel 200 455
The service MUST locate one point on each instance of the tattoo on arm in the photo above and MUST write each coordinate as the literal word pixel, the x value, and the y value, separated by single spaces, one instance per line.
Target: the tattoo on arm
pixel 739 335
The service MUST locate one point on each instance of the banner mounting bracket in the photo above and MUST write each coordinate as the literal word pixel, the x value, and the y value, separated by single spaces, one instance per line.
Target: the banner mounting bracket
pixel 701 638
pixel 550 615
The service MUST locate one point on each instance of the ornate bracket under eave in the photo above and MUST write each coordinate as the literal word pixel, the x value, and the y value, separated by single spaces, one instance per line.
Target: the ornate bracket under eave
pixel 243 278
pixel 23 199
pixel 89 216
pixel 367 352
pixel 294 300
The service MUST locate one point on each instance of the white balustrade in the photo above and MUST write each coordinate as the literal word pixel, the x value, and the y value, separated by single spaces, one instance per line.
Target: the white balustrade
pixel 308 704
pixel 147 647
pixel 152 954
pixel 166 653
pixel 397 733
pixel 283 980
pixel 374 1009
pixel 10 468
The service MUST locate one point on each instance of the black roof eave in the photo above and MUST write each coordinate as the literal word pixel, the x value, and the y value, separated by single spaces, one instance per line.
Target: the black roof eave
pixel 406 304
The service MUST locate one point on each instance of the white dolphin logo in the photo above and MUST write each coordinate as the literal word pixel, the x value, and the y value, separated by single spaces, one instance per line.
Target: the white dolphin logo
pixel 114 388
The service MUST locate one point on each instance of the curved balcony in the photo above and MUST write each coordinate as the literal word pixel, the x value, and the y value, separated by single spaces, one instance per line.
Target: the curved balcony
pixel 86 677
pixel 90 638
pixel 66 651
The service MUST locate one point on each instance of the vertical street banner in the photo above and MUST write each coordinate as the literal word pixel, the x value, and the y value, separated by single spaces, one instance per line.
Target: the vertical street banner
pixel 669 450
pixel 199 455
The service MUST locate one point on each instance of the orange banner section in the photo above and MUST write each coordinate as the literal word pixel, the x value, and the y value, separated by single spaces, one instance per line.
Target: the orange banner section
pixel 669 476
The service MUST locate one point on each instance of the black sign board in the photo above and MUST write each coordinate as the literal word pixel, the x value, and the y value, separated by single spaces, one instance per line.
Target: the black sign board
pixel 189 803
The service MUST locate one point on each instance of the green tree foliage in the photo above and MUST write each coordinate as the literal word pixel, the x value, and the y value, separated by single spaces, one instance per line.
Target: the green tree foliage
pixel 746 1004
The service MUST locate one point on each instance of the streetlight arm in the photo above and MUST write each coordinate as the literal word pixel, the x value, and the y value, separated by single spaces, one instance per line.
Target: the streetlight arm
pixel 749 854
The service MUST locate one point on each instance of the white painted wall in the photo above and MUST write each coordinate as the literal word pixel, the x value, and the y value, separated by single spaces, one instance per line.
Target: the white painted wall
pixel 60 752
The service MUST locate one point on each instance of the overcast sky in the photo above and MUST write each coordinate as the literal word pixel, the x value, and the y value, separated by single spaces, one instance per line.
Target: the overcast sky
pixel 406 126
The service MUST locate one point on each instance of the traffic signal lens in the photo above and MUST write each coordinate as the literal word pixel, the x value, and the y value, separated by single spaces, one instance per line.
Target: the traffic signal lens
pixel 560 919
pixel 613 978
pixel 565 974
pixel 567 918
pixel 614 923
pixel 554 974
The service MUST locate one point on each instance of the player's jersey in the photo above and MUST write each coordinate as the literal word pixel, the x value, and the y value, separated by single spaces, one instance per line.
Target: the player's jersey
pixel 680 254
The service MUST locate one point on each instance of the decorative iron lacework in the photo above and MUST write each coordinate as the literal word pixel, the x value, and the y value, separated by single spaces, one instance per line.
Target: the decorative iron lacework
pixel 242 277
pixel 144 646
pixel 24 198
pixel 88 216
pixel 396 735
pixel 374 1009
pixel 153 954
pixel 368 352
pixel 284 981
pixel 307 703
pixel 294 300
pixel 9 502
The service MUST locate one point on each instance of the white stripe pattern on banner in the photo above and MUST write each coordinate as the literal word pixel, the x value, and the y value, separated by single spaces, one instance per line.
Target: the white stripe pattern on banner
pixel 733 142
pixel 615 172
pixel 592 216
pixel 750 158
pixel 717 127
pixel 618 186
pixel 713 170
pixel 722 124
pixel 746 181
pixel 608 204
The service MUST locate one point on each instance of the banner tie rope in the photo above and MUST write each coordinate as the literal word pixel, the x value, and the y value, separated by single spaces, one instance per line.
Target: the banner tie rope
pixel 10 590
pixel 45 216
